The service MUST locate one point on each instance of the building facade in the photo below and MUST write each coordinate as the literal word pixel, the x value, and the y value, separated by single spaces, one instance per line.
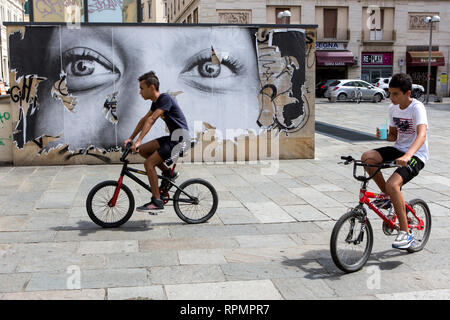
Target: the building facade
pixel 10 11
pixel 355 39
pixel 154 11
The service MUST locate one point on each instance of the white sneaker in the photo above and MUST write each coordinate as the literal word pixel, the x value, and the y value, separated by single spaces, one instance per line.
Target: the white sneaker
pixel 403 241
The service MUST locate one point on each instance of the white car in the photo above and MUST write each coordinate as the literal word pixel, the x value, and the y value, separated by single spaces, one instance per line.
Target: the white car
pixel 383 83
pixel 345 89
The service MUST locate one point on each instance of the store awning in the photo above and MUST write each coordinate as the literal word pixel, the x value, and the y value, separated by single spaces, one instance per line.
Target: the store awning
pixel 334 58
pixel 420 58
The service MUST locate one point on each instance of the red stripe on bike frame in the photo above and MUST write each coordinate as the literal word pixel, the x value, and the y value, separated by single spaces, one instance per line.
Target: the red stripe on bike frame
pixel 421 224
pixel 371 195
pixel 113 201
pixel 173 169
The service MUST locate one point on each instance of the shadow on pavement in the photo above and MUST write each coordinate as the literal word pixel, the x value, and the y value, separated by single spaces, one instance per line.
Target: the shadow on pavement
pixel 328 269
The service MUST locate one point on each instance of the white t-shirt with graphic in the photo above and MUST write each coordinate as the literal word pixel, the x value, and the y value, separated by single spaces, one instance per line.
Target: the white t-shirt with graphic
pixel 406 121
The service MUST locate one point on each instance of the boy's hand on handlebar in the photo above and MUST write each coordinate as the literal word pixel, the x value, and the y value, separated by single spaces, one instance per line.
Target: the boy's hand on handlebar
pixel 403 160
pixel 378 133
pixel 135 146
pixel 126 142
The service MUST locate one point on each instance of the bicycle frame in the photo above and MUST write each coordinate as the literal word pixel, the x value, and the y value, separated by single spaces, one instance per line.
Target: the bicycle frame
pixel 127 171
pixel 365 196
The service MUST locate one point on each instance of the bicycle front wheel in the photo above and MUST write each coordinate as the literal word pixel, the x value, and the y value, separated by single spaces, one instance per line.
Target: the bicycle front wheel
pixel 99 209
pixel 351 241
pixel 195 201
pixel 421 232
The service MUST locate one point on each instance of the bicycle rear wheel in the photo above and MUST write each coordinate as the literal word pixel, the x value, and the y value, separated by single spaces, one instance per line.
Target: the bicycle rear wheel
pixel 99 209
pixel 421 234
pixel 195 201
pixel 349 249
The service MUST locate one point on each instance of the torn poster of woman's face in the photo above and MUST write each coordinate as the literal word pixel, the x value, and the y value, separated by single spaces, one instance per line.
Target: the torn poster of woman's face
pixel 81 86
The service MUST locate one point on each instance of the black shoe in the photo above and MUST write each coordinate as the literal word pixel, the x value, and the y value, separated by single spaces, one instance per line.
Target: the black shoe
pixel 155 204
pixel 170 175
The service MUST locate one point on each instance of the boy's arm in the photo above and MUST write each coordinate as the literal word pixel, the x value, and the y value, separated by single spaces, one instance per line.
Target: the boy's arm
pixel 420 140
pixel 147 125
pixel 140 125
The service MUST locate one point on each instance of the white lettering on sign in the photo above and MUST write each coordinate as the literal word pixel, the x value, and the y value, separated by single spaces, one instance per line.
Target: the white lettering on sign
pixel 330 46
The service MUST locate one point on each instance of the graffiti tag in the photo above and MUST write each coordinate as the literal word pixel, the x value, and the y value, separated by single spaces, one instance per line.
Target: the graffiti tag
pixel 5 115
pixel 54 7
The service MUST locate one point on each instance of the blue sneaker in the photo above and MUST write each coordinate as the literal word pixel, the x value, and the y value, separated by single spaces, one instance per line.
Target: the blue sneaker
pixel 403 241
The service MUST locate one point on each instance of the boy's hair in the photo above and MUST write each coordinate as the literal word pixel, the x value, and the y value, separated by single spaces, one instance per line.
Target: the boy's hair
pixel 401 81
pixel 150 79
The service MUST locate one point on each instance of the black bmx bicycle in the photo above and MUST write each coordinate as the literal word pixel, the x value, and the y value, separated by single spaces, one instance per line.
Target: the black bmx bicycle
pixel 111 203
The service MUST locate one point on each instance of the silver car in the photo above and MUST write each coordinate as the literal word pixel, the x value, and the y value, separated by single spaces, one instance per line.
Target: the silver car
pixel 345 90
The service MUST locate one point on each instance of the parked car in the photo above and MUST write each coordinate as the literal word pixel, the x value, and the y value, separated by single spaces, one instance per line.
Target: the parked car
pixel 322 87
pixel 383 83
pixel 343 90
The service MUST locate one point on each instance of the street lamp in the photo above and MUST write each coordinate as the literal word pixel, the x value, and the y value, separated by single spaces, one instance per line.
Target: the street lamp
pixel 430 20
pixel 283 15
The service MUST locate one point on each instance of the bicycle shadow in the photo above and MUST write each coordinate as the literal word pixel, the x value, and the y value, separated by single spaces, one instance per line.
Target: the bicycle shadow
pixel 328 270
pixel 87 227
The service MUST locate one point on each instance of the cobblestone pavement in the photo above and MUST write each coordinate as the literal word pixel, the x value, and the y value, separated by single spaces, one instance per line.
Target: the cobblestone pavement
pixel 268 240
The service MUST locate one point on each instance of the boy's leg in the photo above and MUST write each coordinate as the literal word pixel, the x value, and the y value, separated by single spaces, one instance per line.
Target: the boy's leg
pixel 147 149
pixel 150 164
pixel 393 188
pixel 377 156
pixel 374 157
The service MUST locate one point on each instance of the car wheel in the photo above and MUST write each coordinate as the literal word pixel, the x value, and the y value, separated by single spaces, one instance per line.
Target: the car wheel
pixel 342 97
pixel 378 97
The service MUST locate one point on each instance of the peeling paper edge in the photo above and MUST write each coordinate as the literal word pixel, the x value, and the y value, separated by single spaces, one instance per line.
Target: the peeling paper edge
pixel 13 30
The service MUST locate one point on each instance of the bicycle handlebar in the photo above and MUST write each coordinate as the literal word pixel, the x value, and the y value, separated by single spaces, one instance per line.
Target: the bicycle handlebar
pixel 126 151
pixel 384 165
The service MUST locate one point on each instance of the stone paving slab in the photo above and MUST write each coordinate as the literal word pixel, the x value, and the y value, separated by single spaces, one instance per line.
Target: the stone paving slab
pixel 137 293
pixel 230 290
pixel 268 240
pixel 90 279
pixel 186 274
pixel 84 294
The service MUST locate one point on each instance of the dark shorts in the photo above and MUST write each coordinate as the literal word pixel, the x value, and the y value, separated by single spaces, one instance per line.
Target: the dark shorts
pixel 407 173
pixel 166 146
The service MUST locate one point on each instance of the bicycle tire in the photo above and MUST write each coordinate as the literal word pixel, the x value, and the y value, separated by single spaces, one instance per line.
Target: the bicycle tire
pixel 89 204
pixel 181 213
pixel 414 203
pixel 338 261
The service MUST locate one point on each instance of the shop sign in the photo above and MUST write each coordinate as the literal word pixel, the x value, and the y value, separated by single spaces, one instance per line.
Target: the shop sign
pixel 379 58
pixel 331 46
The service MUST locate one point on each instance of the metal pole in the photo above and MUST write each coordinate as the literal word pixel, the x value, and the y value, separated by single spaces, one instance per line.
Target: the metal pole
pixel 429 63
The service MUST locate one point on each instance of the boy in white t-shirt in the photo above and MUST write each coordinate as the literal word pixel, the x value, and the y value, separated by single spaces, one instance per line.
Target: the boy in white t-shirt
pixel 408 127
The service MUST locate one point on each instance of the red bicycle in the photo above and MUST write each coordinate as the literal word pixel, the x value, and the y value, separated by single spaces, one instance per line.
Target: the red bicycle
pixel 352 237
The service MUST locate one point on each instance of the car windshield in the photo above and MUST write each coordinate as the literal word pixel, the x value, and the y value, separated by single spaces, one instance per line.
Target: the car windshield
pixel 376 80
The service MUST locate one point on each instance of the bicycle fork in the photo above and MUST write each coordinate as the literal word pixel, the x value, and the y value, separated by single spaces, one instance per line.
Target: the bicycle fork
pixel 351 232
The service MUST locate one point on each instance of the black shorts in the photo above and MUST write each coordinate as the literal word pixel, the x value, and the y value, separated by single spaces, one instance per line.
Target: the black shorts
pixel 166 146
pixel 407 173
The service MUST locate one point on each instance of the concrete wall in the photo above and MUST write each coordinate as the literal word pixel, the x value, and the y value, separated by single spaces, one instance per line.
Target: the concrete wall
pixel 6 154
